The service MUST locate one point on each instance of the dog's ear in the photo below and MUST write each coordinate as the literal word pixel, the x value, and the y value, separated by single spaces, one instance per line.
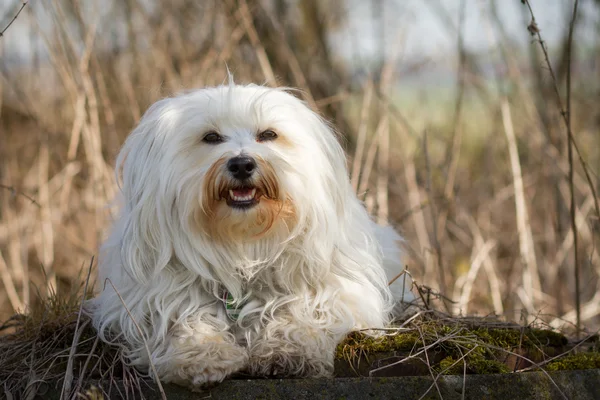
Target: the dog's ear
pixel 146 247
pixel 338 180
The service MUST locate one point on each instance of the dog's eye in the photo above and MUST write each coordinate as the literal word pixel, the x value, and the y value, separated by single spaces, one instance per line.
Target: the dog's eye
pixel 266 136
pixel 212 138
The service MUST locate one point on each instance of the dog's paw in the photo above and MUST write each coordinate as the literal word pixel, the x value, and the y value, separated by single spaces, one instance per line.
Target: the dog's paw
pixel 283 360
pixel 207 364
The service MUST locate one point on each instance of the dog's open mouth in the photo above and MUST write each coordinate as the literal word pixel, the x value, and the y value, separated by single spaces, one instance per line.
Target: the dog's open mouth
pixel 245 197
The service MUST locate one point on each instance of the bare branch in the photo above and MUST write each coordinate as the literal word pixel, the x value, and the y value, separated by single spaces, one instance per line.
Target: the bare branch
pixel 14 18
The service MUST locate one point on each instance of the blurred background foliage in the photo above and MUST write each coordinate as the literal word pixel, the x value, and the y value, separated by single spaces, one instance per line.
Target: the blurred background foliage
pixel 447 109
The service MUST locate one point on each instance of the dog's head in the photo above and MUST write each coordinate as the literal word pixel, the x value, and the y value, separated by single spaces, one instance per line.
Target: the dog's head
pixel 235 163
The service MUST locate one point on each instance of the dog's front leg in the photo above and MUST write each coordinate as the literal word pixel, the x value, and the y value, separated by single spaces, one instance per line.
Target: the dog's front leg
pixel 199 352
pixel 288 347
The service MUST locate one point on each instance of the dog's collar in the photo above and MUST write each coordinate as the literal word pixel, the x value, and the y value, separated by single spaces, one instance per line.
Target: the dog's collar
pixel 232 311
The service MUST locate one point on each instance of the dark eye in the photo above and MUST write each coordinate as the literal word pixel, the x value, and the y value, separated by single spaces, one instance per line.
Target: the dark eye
pixel 266 136
pixel 212 138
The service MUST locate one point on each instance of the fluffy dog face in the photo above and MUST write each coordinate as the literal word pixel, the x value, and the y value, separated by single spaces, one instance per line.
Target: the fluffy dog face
pixel 245 164
pixel 235 162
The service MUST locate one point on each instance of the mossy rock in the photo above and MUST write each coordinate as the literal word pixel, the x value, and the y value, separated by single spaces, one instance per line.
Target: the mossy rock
pixel 452 348
pixel 577 361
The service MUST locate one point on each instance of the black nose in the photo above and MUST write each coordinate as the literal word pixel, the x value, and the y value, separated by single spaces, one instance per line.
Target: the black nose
pixel 241 167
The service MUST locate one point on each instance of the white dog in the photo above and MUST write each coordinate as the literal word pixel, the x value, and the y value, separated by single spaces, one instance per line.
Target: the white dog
pixel 241 244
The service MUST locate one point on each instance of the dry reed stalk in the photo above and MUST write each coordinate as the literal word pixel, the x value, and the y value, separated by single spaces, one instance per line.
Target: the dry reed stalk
pixel 362 135
pixel 531 280
pixel 27 218
pixel 567 244
pixel 161 52
pixel 134 106
pixel 101 182
pixel 16 255
pixel 383 161
pixel 435 237
pixel 439 219
pixel 368 164
pixel 9 285
pixel 383 170
pixel 245 17
pixel 588 310
pixel 293 63
pixel 488 265
pixel 76 132
pixel 336 98
pixel 20 269
pixel 107 106
pixel 380 138
pixel 481 253
pixel 454 154
pixel 495 291
pixel 217 57
pixel 573 205
pixel 46 251
pixel 418 217
pixel 59 48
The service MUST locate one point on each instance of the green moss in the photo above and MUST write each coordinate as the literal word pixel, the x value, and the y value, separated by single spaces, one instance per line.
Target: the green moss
pixel 483 366
pixel 584 360
pixel 358 343
pixel 546 337
pixel 529 338
pixel 448 367
pixel 475 365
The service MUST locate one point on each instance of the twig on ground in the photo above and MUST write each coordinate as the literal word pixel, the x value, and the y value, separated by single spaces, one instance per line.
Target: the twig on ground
pixel 437 377
pixel 429 365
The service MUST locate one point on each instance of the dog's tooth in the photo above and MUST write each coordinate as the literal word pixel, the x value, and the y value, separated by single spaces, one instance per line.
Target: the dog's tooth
pixel 247 197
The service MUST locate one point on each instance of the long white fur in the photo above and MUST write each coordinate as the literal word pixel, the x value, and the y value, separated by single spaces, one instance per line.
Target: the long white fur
pixel 300 286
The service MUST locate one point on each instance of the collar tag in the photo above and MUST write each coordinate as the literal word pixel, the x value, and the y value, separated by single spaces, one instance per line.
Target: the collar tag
pixel 231 310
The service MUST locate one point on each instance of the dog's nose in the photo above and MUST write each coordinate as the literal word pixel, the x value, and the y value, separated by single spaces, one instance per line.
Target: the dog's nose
pixel 241 167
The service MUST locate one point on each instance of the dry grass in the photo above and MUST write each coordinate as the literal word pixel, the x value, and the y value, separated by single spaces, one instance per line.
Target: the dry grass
pixel 479 181
pixel 55 346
